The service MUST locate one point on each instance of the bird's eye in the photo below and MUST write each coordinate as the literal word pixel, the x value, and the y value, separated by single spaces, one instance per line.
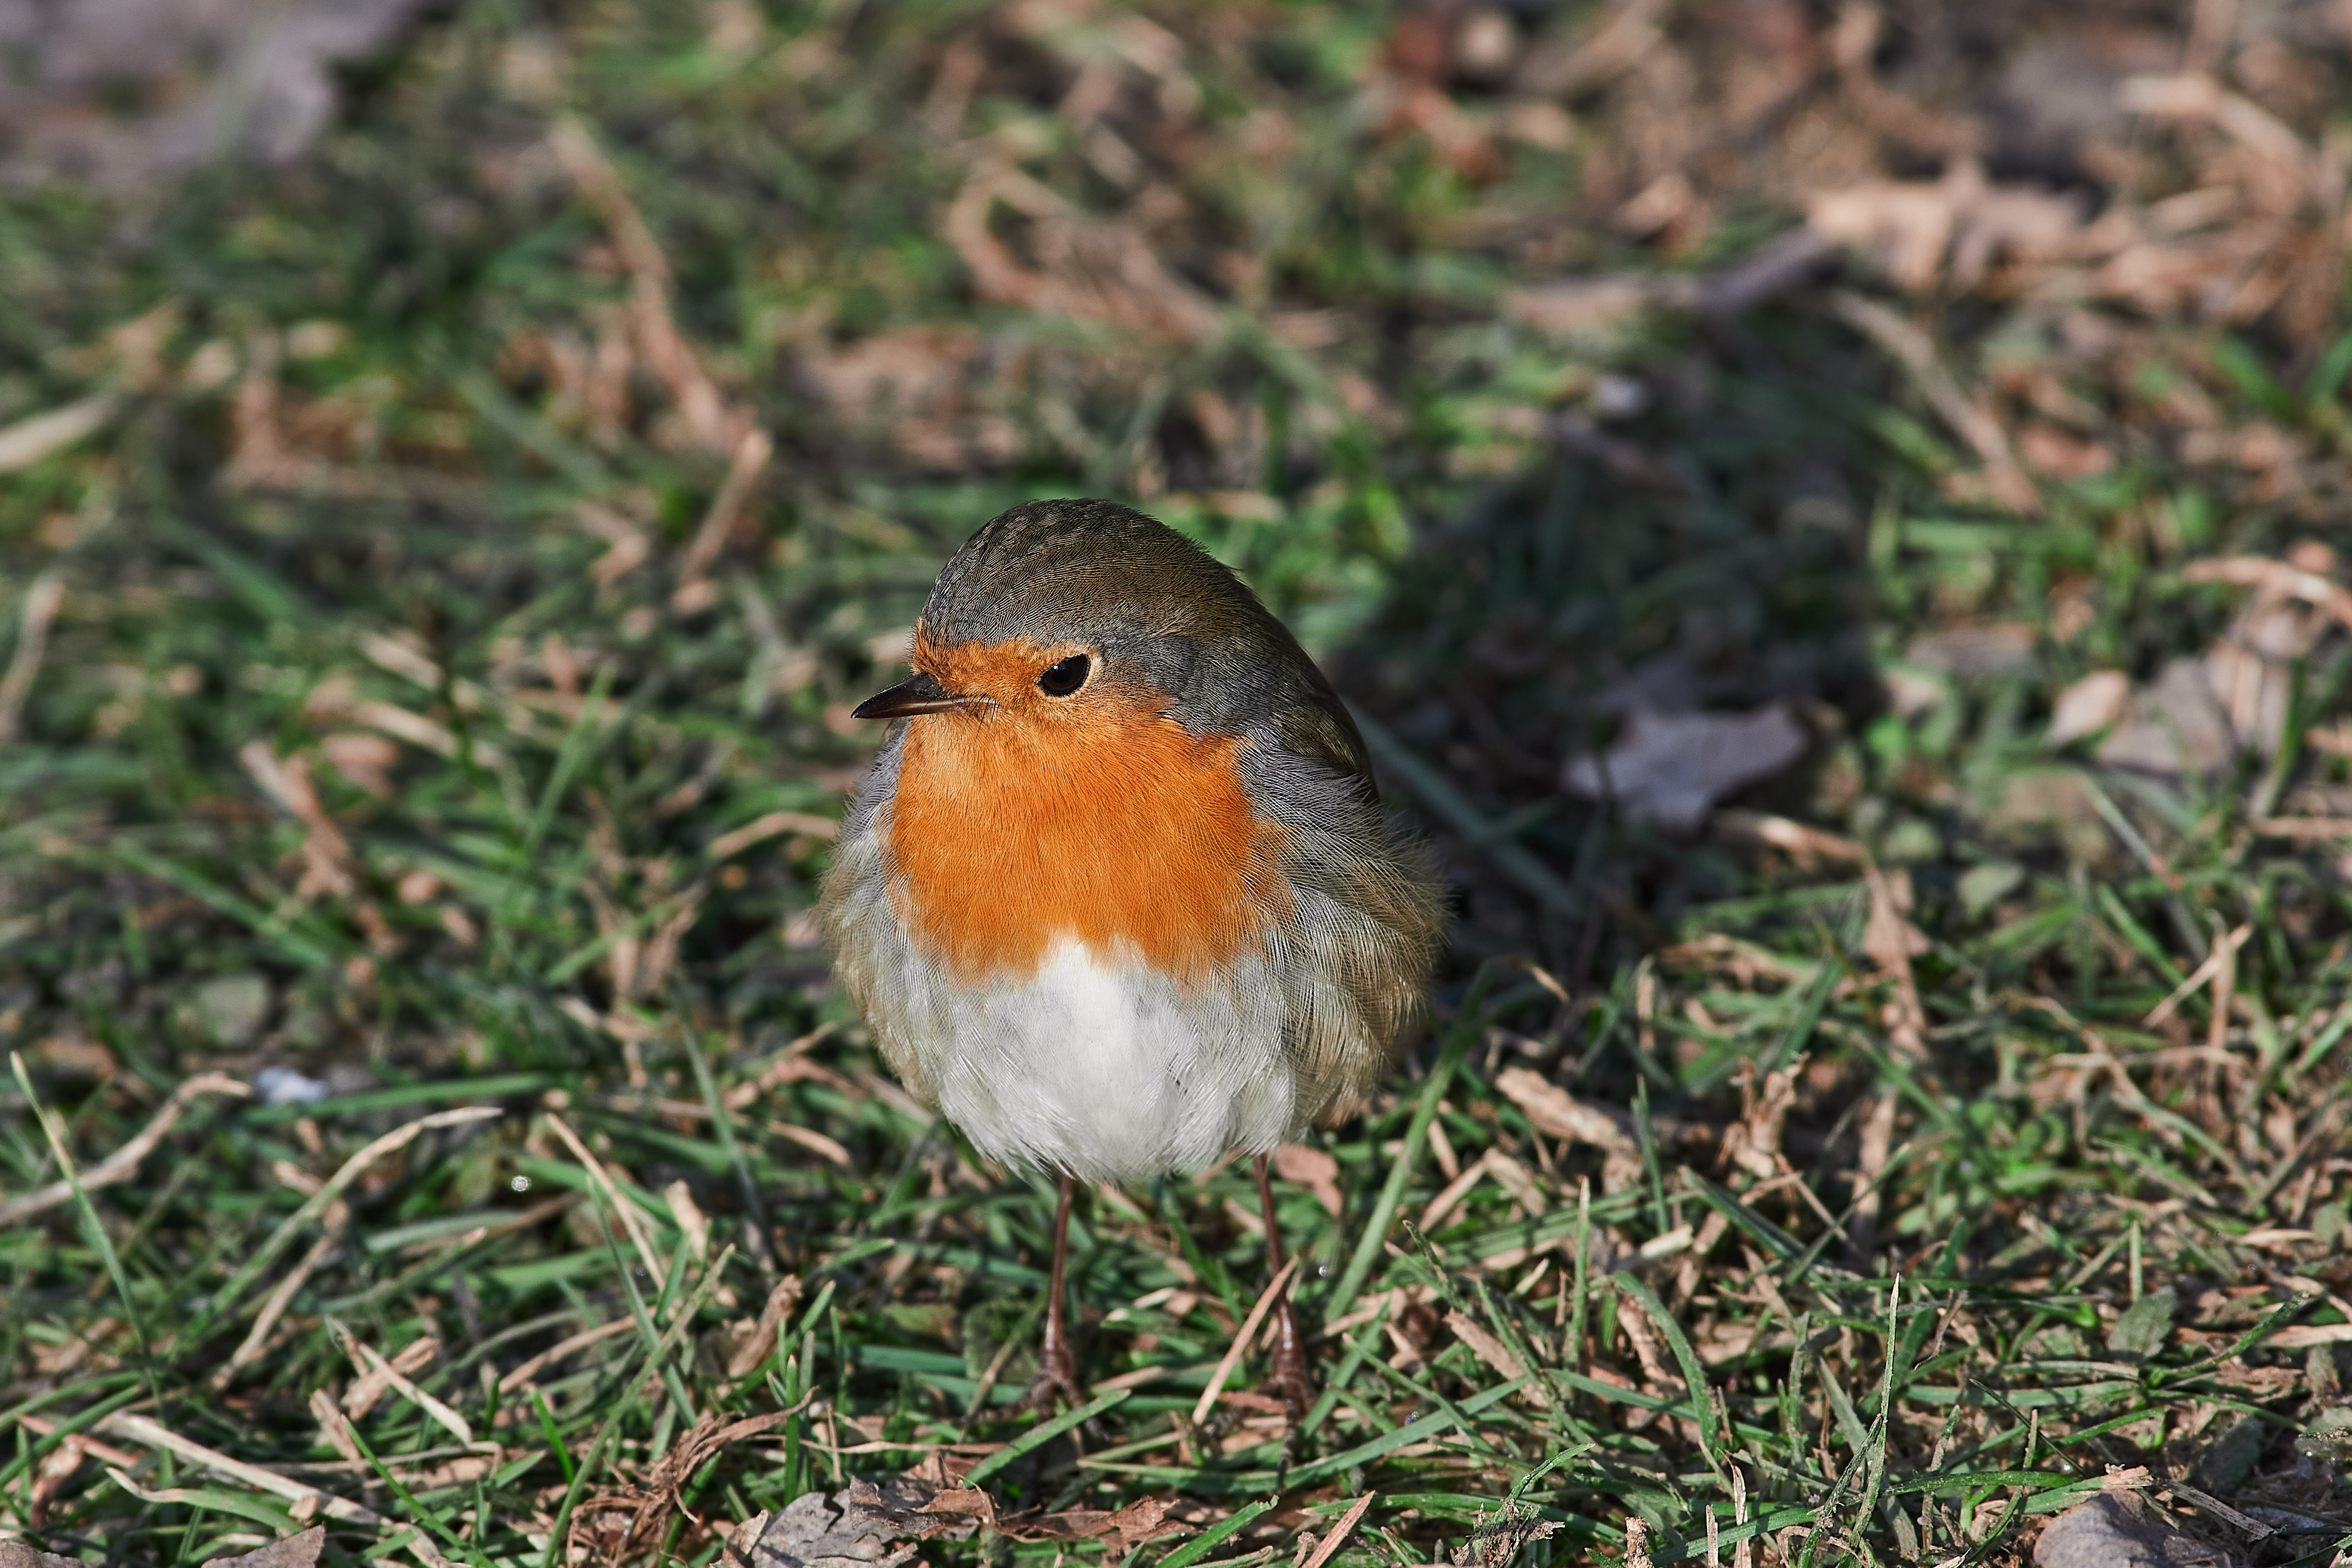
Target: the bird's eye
pixel 1066 677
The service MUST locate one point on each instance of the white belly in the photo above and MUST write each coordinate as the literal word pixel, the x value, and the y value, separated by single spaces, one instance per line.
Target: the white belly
pixel 1112 1072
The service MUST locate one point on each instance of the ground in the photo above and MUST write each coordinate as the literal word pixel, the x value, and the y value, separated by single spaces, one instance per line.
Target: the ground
pixel 1829 517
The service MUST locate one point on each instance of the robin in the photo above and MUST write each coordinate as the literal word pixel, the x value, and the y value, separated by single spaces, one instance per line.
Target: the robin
pixel 1117 897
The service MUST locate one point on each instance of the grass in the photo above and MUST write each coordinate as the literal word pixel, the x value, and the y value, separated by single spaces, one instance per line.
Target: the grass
pixel 423 691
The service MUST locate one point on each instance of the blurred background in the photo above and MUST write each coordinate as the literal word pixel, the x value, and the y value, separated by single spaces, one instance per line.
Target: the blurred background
pixel 1828 510
pixel 1639 408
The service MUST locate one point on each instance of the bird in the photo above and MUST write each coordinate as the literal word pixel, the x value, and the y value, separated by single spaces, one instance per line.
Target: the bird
pixel 1117 896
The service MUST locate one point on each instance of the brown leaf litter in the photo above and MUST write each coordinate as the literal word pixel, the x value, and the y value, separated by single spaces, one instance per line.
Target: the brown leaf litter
pixel 2202 711
pixel 877 1525
pixel 1672 767
pixel 615 1520
pixel 246 79
pixel 298 1551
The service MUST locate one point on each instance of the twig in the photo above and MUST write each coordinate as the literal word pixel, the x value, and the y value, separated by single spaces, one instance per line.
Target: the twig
pixel 1242 1337
pixel 41 1427
pixel 149 1433
pixel 1886 941
pixel 28 441
pixel 2302 829
pixel 123 1163
pixel 530 1369
pixel 2276 577
pixel 2223 953
pixel 41 602
pixel 319 1202
pixel 274 1307
pixel 761 829
pixel 673 360
pixel 368 1359
pixel 632 1222
pixel 1329 1545
pixel 743 470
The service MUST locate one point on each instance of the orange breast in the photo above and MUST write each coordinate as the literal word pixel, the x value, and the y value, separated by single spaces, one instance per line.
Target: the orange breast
pixel 1101 821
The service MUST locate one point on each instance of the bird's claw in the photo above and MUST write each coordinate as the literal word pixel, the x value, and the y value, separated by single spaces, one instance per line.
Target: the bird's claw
pixel 1056 1379
pixel 1292 1382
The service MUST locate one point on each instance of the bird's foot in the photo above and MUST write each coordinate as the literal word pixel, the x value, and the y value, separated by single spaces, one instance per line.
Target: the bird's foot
pixel 1293 1384
pixel 1057 1377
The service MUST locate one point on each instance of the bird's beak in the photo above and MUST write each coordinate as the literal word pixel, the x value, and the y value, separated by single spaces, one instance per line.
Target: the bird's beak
pixel 921 694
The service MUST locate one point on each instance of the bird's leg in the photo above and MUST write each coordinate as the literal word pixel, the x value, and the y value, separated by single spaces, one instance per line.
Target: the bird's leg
pixel 1057 1356
pixel 1290 1379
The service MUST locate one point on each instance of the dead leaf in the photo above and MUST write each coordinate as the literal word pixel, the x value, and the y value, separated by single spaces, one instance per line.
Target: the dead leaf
pixel 755 1342
pixel 252 81
pixel 1515 1179
pixel 325 855
pixel 807 1533
pixel 1891 942
pixel 923 388
pixel 1120 1531
pixel 366 760
pixel 1974 651
pixel 713 426
pixel 1485 1346
pixel 294 1551
pixel 1914 348
pixel 2116 1529
pixel 1911 226
pixel 2279 578
pixel 2094 703
pixel 374 1381
pixel 1497 1545
pixel 1085 268
pixel 615 1520
pixel 1566 66
pixel 969 1500
pixel 2046 449
pixel 1671 769
pixel 1753 1143
pixel 1313 1169
pixel 1140 1522
pixel 1579 304
pixel 1808 846
pixel 16 1554
pixel 1554 1111
pixel 1329 1545
pixel 2174 726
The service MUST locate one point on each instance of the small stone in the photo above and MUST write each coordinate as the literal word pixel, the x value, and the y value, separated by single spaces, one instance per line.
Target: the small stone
pixel 2229 1459
pixel 229 1010
pixel 285 1086
pixel 1982 886
pixel 2143 1327
pixel 2108 1532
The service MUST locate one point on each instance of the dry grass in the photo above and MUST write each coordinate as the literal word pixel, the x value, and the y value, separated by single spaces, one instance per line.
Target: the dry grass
pixel 437 574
